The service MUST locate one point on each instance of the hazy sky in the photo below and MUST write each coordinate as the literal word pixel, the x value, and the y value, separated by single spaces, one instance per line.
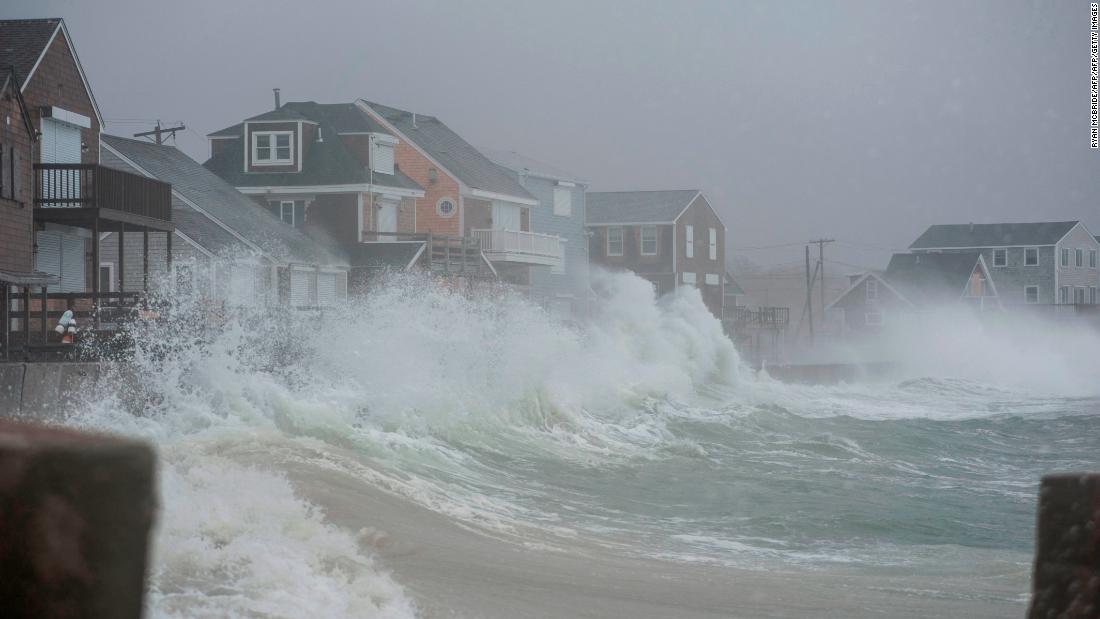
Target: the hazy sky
pixel 861 121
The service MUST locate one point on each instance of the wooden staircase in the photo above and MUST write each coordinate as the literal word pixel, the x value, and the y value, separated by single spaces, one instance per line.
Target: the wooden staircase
pixel 456 256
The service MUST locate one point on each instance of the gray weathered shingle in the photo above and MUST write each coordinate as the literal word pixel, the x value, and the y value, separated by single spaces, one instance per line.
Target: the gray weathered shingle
pixel 926 279
pixel 22 42
pixel 636 207
pixel 992 235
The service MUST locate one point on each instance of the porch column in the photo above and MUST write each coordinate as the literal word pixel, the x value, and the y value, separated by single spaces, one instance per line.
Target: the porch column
pixel 121 259
pixel 5 334
pixel 95 272
pixel 145 259
pixel 168 260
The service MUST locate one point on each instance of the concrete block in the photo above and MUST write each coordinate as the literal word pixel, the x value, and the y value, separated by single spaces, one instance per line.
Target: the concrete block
pixel 41 392
pixel 11 389
pixel 78 382
pixel 1066 582
pixel 75 514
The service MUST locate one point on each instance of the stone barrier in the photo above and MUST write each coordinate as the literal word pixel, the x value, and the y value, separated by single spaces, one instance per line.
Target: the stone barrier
pixel 1066 581
pixel 75 515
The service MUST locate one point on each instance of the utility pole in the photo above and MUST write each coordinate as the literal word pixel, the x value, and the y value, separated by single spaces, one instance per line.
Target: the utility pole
pixel 809 296
pixel 821 243
pixel 160 132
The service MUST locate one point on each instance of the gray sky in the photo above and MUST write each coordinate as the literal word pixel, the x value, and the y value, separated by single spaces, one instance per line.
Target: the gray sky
pixel 862 121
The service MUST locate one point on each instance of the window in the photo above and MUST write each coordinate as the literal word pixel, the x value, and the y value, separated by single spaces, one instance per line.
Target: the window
pixel 873 319
pixel 1092 295
pixel 445 207
pixel 1063 295
pixel 381 156
pixel 563 201
pixel 286 212
pixel 1065 256
pixel 1079 295
pixel 689 241
pixel 713 244
pixel 1031 294
pixel 689 278
pixel 649 240
pixel 871 286
pixel 1079 257
pixel 1031 256
pixel 712 279
pixel 1000 257
pixel 615 241
pixel 1092 258
pixel 9 173
pixel 271 148
pixel 106 277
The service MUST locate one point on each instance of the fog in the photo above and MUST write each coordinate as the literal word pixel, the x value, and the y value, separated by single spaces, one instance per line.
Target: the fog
pixel 860 121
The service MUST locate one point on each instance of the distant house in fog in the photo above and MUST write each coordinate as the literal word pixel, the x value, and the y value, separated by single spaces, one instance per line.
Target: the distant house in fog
pixel 1031 263
pixel 226 246
pixel 671 238
pixel 917 283
pixel 563 286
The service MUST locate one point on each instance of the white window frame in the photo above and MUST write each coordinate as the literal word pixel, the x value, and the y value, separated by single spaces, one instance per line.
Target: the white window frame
pixel 112 280
pixel 1083 296
pixel 1092 295
pixel 282 205
pixel 618 229
pixel 1031 249
pixel 563 201
pixel 1003 253
pixel 876 322
pixel 642 241
pixel 711 279
pixel 274 159
pixel 713 243
pixel 689 279
pixel 1092 259
pixel 439 207
pixel 1064 295
pixel 689 241
pixel 1078 257
pixel 870 289
pixel 1027 295
pixel 1065 257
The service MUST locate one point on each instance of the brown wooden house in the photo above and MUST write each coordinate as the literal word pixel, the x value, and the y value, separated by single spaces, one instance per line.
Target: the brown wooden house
pixel 56 199
pixel 671 238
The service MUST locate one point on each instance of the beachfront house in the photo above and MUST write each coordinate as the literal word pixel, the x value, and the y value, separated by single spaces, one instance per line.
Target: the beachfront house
pixel 226 247
pixel 915 283
pixel 563 288
pixel 56 198
pixel 1040 263
pixel 671 238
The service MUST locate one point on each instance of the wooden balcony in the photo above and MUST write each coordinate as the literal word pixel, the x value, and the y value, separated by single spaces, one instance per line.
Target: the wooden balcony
pixel 520 247
pixel 95 196
pixel 759 318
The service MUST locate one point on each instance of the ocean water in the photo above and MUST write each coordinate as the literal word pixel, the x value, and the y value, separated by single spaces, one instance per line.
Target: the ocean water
pixel 640 433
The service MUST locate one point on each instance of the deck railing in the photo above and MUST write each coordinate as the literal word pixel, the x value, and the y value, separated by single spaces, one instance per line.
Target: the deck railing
pixel 85 185
pixel 761 317
pixel 520 246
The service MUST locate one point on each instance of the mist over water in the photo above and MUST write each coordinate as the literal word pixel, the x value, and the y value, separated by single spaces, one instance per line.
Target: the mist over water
pixel 639 432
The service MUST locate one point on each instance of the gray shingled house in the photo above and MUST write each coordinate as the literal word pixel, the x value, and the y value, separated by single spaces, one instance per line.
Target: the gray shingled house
pixel 917 283
pixel 1039 263
pixel 226 246
pixel 671 238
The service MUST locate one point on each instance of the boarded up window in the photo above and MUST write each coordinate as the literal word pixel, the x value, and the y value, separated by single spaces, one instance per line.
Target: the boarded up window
pixel 563 201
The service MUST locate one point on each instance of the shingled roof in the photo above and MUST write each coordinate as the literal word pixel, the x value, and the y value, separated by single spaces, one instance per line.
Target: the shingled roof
pixel 522 164
pixel 24 41
pixel 224 206
pixel 455 154
pixel 328 162
pixel 926 279
pixel 636 207
pixel 993 235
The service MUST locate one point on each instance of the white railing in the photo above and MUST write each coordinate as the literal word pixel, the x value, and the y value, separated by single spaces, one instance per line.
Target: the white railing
pixel 517 246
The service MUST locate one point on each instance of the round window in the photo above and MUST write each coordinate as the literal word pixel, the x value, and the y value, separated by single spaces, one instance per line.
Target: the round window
pixel 445 207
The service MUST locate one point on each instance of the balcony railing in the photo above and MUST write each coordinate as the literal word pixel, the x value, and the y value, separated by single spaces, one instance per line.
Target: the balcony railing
pixel 761 317
pixel 521 247
pixel 81 185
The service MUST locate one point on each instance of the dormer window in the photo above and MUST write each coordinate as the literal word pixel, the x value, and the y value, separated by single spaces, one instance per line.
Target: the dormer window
pixel 272 148
pixel 381 152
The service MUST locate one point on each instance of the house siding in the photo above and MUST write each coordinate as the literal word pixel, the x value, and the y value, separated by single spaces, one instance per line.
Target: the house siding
pixel 701 216
pixel 134 265
pixel 16 208
pixel 1073 276
pixel 416 166
pixel 546 285
pixel 856 306
pixel 658 269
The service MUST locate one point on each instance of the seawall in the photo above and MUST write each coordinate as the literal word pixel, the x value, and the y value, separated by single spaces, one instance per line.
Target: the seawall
pixel 44 391
pixel 828 373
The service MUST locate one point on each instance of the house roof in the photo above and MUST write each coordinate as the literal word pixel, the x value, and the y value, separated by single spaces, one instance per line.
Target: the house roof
pixel 732 287
pixel 522 164
pixel 993 235
pixel 455 154
pixel 328 162
pixel 636 207
pixel 23 41
pixel 925 279
pixel 224 207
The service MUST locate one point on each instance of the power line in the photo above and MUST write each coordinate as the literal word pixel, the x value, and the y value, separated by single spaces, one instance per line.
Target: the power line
pixel 757 247
pixel 158 132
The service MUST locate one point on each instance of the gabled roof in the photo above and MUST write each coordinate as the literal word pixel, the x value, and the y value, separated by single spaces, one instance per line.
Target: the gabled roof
pixel 327 162
pixel 927 279
pixel 732 287
pixel 23 43
pixel 522 164
pixel 637 207
pixel 455 154
pixel 224 206
pixel 993 235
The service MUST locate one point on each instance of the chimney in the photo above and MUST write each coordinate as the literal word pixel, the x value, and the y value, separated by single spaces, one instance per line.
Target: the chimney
pixel 414 120
pixel 276 91
pixel 320 137
pixel 971 226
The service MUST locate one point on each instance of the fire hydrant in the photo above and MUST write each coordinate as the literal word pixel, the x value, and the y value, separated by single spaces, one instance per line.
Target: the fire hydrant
pixel 66 327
